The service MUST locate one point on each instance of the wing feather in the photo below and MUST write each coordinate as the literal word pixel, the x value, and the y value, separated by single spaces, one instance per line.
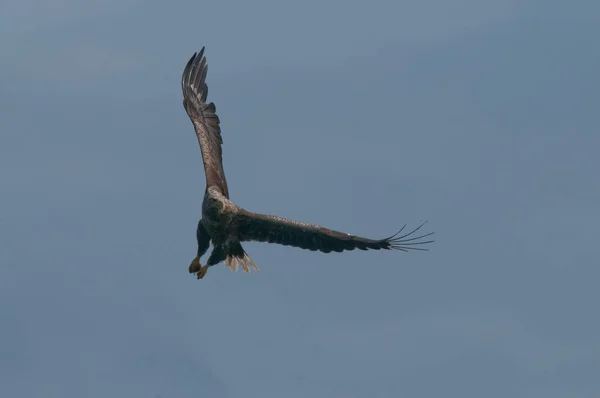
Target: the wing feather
pixel 205 120
pixel 273 229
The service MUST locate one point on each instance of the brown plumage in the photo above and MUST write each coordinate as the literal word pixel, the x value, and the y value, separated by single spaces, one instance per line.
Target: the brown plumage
pixel 226 225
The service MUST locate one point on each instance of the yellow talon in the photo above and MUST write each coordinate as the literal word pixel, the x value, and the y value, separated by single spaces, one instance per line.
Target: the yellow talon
pixel 195 265
pixel 202 271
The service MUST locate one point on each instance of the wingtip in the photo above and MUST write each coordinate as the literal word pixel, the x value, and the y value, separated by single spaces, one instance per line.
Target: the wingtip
pixel 196 62
pixel 408 241
pixel 197 54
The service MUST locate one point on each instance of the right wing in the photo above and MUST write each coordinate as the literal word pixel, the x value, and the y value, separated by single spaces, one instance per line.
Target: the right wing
pixel 205 120
pixel 273 229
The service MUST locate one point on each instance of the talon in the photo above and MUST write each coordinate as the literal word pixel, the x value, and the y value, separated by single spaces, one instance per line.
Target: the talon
pixel 195 265
pixel 200 274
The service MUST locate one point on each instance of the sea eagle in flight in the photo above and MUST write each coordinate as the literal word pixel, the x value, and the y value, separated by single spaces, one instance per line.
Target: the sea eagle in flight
pixel 226 225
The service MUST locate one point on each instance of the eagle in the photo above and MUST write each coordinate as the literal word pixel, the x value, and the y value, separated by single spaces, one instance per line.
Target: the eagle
pixel 226 225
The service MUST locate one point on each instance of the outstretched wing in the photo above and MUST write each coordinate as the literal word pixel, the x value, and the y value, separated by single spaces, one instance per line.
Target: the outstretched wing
pixel 205 120
pixel 273 229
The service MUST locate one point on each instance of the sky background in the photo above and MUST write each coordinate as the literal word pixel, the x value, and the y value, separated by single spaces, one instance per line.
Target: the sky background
pixel 479 116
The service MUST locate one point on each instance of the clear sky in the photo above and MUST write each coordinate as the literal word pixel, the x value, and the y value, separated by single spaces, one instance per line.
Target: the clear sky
pixel 479 116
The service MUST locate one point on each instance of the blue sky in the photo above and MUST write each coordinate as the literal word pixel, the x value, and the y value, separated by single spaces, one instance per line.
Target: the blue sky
pixel 478 116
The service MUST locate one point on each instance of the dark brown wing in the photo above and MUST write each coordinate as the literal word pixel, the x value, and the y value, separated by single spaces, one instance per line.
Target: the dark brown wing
pixel 273 229
pixel 205 120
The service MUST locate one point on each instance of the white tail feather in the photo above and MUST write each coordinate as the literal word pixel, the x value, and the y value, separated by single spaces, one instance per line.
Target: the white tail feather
pixel 245 262
pixel 231 263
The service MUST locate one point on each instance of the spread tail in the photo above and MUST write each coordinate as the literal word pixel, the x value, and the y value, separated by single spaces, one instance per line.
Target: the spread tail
pixel 244 261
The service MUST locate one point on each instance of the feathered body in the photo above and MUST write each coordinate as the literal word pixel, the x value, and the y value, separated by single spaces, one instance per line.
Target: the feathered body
pixel 226 225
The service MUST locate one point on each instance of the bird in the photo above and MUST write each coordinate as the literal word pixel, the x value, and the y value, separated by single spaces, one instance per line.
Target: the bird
pixel 225 225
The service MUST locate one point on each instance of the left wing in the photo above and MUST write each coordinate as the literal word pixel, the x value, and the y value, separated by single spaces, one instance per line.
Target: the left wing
pixel 205 120
pixel 273 229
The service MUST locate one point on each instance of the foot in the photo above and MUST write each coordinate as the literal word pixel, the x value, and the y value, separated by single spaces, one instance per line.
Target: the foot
pixel 202 271
pixel 195 265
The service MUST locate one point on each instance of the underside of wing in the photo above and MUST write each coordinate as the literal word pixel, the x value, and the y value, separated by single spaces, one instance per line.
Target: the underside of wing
pixel 273 229
pixel 205 120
